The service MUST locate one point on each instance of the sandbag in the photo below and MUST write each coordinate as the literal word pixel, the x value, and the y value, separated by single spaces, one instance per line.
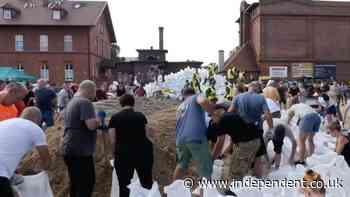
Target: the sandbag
pixel 35 186
pixel 115 182
pixel 177 189
pixel 136 190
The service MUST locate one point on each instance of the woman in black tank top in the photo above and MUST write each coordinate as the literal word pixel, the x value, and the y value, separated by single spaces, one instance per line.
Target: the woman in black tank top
pixel 343 141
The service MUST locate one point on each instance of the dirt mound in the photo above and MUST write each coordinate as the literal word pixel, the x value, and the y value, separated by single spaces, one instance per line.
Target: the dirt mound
pixel 161 114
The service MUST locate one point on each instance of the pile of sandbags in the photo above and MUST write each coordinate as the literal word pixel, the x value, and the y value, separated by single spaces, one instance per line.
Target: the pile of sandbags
pixel 175 82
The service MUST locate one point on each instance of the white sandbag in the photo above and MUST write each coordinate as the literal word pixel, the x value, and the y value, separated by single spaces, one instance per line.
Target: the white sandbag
pixel 177 189
pixel 115 182
pixel 35 186
pixel 136 190
pixel 218 170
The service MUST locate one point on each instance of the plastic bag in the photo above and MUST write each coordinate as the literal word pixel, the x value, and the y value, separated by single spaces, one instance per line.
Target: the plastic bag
pixel 35 186
pixel 177 189
pixel 136 190
pixel 115 182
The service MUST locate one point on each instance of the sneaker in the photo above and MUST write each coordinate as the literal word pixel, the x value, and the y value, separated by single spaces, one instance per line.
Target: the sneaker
pixel 17 179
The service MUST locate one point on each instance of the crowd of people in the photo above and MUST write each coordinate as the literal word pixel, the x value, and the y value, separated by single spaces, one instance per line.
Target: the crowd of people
pixel 252 116
pixel 26 111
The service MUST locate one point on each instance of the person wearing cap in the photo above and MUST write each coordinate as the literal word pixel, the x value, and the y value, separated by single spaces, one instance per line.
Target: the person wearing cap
pixel 252 107
pixel 191 139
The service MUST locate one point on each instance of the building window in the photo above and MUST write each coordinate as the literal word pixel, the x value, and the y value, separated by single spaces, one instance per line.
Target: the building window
pixel 68 43
pixel 101 28
pixel 44 43
pixel 69 72
pixel 19 42
pixel 7 14
pixel 44 72
pixel 20 68
pixel 56 15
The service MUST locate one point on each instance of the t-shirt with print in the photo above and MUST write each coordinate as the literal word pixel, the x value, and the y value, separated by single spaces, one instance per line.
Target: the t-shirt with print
pixel 251 107
pixel 78 140
pixel 17 137
pixel 300 110
pixel 130 135
pixel 44 99
pixel 190 125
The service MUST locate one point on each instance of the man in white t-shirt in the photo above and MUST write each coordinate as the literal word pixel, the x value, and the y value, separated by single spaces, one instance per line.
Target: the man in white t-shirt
pixel 18 136
pixel 309 124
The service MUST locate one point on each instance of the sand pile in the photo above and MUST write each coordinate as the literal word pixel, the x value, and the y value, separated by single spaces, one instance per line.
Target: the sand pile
pixel 161 114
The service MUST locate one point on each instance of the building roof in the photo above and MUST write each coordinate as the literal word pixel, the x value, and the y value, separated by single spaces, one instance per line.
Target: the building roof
pixel 88 14
pixel 244 59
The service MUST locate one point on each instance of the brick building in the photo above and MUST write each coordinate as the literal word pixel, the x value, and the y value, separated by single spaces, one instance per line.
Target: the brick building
pixel 294 38
pixel 149 64
pixel 56 40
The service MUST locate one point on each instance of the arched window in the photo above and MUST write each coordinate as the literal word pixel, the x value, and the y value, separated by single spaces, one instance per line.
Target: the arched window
pixel 69 72
pixel 44 72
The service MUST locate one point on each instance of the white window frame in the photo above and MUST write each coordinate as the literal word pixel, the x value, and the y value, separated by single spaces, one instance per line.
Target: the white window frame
pixel 20 67
pixel 68 43
pixel 45 72
pixel 68 72
pixel 7 13
pixel 56 15
pixel 44 43
pixel 19 42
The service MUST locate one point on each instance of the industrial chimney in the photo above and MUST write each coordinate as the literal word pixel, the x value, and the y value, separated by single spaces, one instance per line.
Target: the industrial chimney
pixel 221 60
pixel 161 38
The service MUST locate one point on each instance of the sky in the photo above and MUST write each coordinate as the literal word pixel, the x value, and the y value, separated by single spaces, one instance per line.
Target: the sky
pixel 193 29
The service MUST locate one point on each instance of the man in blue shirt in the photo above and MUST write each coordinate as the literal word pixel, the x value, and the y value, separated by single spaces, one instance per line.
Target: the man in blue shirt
pixel 252 107
pixel 191 140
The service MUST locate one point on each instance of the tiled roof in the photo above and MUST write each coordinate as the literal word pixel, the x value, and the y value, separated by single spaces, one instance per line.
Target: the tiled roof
pixel 87 14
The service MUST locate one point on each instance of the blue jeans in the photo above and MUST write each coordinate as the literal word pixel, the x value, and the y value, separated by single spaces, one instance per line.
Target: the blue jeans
pixel 48 118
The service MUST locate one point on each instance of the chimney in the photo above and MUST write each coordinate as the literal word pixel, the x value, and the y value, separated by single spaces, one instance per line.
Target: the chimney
pixel 221 60
pixel 161 38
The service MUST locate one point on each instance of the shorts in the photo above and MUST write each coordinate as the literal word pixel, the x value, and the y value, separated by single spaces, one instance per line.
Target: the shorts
pixel 310 123
pixel 242 159
pixel 48 118
pixel 5 187
pixel 200 153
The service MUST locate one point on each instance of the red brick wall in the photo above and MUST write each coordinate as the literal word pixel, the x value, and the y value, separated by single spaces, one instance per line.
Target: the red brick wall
pixel 86 53
pixel 32 59
pixel 294 32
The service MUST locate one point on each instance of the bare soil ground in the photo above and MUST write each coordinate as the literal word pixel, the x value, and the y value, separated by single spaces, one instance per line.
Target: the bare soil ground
pixel 161 114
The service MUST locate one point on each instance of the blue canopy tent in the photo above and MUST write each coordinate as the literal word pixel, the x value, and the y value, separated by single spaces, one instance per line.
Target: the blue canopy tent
pixel 12 74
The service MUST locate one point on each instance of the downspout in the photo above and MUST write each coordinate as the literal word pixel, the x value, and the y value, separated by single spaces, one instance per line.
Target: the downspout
pixel 89 37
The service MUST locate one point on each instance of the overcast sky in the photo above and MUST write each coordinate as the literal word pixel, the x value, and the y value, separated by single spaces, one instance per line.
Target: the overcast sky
pixel 194 29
